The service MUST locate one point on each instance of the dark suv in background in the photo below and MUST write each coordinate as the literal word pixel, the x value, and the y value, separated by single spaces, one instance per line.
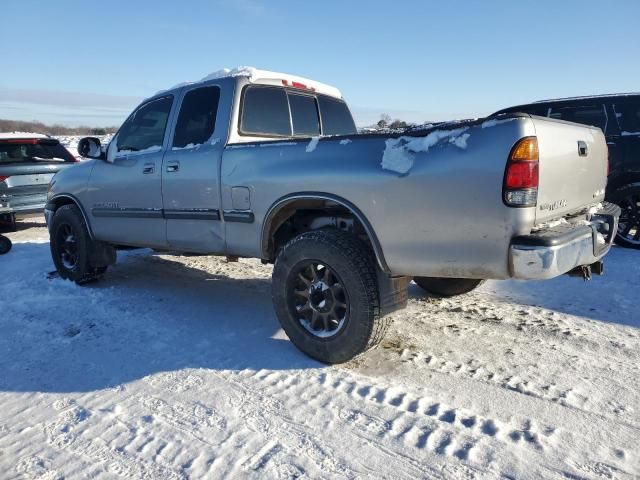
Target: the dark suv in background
pixel 28 161
pixel 619 118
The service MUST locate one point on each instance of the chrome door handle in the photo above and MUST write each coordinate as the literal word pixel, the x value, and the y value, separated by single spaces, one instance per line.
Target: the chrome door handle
pixel 173 166
pixel 149 168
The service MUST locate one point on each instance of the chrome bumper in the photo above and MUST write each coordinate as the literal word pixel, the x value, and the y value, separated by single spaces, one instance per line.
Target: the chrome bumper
pixel 558 250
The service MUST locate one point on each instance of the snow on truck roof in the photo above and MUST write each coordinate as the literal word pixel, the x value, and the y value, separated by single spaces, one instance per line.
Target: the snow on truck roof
pixel 255 75
pixel 21 135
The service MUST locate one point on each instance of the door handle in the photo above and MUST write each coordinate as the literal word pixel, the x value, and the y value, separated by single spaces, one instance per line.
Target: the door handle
pixel 149 168
pixel 173 166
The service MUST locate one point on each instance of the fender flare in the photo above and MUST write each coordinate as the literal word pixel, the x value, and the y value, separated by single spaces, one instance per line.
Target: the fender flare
pixel 282 202
pixel 76 202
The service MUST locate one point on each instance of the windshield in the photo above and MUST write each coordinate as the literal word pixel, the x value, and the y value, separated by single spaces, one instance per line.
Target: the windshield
pixel 31 151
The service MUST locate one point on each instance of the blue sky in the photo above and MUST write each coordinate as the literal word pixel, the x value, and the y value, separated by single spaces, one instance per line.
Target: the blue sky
pixel 79 62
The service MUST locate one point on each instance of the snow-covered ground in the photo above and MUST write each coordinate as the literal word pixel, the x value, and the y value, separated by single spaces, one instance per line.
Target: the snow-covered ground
pixel 175 367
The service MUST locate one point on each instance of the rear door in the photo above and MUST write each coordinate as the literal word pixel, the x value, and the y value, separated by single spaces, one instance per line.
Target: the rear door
pixel 125 191
pixel 26 167
pixel 191 174
pixel 624 142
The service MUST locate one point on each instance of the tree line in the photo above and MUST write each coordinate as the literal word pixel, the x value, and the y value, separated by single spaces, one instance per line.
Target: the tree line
pixel 39 127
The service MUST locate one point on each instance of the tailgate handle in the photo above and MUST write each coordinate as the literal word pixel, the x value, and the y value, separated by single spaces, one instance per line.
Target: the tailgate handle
pixel 583 150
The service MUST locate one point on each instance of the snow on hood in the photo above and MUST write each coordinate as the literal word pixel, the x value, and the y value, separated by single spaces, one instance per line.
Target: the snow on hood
pixel 398 155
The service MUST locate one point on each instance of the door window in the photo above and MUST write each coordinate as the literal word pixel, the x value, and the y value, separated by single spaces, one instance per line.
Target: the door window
pixel 594 115
pixel 145 128
pixel 628 115
pixel 197 118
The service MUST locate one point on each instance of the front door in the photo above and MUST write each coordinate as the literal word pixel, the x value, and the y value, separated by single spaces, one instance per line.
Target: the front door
pixel 126 190
pixel 190 174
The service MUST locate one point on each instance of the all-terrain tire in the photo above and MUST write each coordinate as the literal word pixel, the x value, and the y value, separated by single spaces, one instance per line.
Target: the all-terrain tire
pixel 69 233
pixel 447 287
pixel 627 197
pixel 353 270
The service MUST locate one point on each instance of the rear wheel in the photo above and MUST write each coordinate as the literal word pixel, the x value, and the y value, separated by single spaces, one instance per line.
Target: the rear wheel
pixel 627 198
pixel 447 287
pixel 71 246
pixel 326 297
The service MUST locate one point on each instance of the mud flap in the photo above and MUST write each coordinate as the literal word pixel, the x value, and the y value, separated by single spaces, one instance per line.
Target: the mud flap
pixel 102 254
pixel 393 291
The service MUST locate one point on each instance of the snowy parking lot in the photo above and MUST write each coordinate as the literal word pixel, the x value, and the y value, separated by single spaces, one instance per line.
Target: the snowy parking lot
pixel 175 367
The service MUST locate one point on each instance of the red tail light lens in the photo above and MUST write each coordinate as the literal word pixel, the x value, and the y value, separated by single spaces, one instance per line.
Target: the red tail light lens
pixel 2 179
pixel 521 176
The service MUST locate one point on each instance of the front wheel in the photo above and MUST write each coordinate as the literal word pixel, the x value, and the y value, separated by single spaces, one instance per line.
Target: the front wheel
pixel 71 246
pixel 326 297
pixel 627 198
pixel 447 287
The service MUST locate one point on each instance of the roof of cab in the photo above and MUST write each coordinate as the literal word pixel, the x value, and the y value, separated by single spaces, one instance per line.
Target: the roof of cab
pixel 21 135
pixel 589 97
pixel 266 77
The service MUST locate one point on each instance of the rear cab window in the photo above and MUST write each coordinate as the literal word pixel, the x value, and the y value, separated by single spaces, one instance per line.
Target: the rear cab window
pixel 336 118
pixel 197 118
pixel 265 111
pixel 279 112
pixel 17 151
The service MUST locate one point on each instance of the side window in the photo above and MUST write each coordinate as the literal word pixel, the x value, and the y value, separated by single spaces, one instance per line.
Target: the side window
pixel 146 127
pixel 197 118
pixel 265 111
pixel 628 115
pixel 586 114
pixel 304 114
pixel 336 118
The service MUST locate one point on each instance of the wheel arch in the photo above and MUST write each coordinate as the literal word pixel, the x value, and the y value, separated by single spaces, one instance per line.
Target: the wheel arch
pixel 67 199
pixel 621 179
pixel 285 207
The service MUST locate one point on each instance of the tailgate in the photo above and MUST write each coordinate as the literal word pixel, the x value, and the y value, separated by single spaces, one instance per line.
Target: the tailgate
pixel 573 167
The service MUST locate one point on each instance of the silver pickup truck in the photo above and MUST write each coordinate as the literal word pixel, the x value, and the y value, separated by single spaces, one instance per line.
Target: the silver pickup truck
pixel 250 163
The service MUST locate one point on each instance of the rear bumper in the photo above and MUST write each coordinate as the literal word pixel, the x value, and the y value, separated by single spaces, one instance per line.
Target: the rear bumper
pixel 27 203
pixel 555 251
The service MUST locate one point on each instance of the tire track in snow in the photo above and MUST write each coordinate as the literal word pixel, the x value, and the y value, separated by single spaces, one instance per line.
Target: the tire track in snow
pixel 61 434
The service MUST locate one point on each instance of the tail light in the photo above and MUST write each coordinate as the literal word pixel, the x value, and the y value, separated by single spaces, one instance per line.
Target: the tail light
pixel 521 175
pixel 2 179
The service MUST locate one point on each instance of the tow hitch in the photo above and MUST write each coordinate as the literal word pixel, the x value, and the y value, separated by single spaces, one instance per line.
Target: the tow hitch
pixel 585 271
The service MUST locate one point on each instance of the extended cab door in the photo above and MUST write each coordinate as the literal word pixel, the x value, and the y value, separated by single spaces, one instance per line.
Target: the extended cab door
pixel 191 173
pixel 125 190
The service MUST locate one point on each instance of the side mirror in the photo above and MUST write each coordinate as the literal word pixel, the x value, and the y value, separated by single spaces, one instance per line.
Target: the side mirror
pixel 89 147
